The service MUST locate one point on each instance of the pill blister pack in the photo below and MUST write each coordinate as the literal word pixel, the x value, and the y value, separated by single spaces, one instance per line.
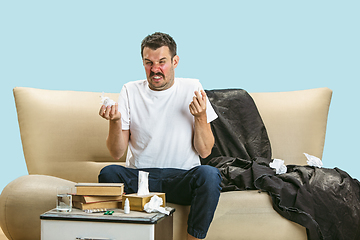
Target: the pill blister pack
pixel 99 210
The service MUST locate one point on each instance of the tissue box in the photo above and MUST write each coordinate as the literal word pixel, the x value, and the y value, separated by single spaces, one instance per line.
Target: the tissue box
pixel 137 203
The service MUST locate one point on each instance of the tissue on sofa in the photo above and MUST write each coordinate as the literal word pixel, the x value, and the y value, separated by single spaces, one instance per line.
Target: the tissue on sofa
pixel 313 161
pixel 279 166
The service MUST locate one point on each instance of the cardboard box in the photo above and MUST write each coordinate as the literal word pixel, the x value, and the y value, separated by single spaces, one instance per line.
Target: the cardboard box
pixel 137 203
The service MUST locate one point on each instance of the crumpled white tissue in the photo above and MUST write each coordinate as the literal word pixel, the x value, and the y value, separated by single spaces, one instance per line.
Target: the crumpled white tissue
pixel 279 165
pixel 106 100
pixel 154 205
pixel 313 161
pixel 143 186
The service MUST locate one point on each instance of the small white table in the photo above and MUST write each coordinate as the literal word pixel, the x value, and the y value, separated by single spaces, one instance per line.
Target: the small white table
pixel 78 225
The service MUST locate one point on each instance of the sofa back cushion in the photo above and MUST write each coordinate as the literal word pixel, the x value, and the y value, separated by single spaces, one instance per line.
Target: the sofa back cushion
pixel 295 122
pixel 63 135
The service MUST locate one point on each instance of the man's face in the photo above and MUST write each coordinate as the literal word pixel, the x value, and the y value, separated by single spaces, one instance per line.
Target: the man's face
pixel 159 68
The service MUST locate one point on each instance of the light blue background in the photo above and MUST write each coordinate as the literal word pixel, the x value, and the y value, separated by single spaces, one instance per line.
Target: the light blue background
pixel 260 46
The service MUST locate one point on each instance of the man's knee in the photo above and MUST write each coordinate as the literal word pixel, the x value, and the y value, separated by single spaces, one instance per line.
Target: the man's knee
pixel 209 175
pixel 208 171
pixel 109 174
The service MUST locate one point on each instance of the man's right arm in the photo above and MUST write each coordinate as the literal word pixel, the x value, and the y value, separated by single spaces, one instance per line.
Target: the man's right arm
pixel 118 139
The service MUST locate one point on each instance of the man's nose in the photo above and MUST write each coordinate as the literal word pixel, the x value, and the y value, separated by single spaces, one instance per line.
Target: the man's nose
pixel 155 68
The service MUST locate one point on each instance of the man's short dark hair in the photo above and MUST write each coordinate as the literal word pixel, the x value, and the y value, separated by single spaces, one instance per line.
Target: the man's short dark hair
pixel 157 40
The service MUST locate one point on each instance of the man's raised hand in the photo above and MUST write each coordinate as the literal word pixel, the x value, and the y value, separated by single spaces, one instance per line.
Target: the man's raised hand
pixel 198 105
pixel 110 112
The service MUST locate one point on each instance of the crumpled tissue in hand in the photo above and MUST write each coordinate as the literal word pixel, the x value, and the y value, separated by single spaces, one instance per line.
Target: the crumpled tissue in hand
pixel 154 205
pixel 106 100
pixel 313 161
pixel 279 165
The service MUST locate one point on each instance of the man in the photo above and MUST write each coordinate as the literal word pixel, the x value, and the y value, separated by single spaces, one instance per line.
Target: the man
pixel 165 124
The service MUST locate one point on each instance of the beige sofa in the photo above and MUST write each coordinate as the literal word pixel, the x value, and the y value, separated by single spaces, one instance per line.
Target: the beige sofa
pixel 64 142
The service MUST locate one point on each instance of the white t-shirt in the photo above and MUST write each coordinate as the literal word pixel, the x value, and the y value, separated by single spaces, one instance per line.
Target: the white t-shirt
pixel 160 123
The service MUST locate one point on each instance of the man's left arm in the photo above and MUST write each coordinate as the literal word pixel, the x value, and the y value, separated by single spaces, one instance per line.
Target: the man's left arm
pixel 203 137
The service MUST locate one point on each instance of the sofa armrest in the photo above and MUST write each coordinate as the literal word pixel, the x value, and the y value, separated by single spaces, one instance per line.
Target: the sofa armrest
pixel 22 202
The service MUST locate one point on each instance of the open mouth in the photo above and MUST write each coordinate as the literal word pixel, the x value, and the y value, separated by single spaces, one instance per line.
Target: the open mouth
pixel 157 77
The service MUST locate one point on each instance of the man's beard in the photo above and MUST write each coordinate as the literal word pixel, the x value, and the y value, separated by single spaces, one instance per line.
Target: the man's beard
pixel 167 82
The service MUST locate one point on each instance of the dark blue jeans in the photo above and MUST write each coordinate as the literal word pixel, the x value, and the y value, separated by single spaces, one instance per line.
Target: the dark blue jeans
pixel 198 187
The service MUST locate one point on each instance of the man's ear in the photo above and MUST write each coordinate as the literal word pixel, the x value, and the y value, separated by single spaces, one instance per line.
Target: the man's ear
pixel 175 61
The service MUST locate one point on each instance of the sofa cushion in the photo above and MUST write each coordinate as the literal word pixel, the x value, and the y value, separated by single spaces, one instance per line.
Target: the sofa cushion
pixel 242 215
pixel 62 133
pixel 295 122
